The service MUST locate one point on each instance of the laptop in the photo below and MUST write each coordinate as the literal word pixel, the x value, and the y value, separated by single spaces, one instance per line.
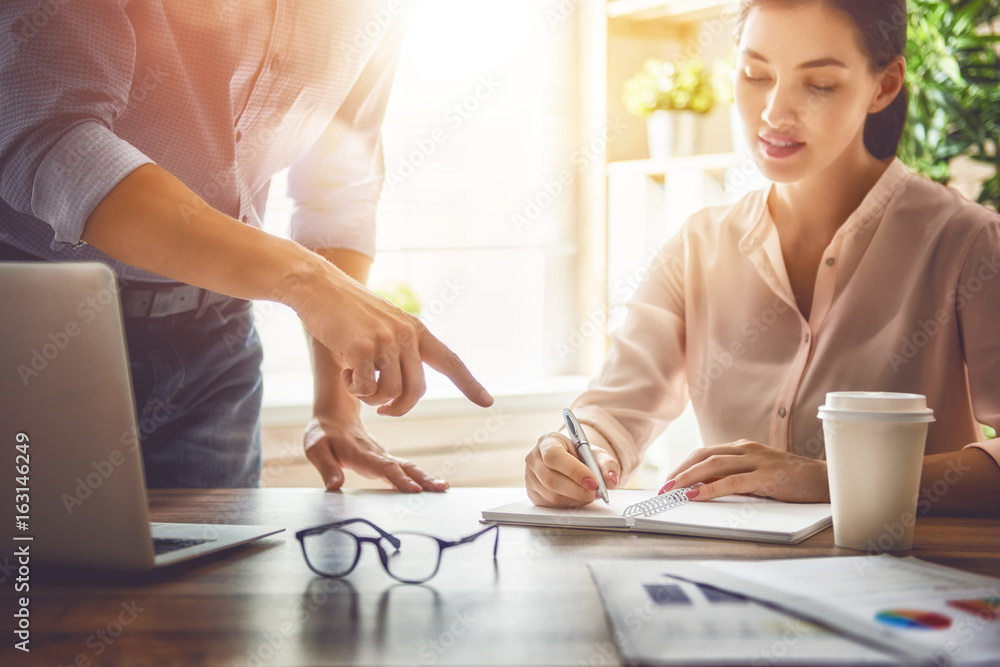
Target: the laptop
pixel 72 462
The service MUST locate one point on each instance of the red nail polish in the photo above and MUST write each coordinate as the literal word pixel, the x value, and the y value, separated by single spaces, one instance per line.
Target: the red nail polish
pixel 692 493
pixel 666 487
pixel 613 477
pixel 589 484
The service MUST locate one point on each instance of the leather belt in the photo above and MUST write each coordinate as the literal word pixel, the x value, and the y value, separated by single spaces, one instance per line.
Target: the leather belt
pixel 141 299
pixel 153 300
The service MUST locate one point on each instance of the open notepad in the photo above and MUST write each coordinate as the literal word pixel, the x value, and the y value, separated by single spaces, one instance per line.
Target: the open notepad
pixel 731 517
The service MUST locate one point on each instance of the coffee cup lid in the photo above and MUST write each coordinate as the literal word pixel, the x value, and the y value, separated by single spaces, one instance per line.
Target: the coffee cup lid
pixel 876 406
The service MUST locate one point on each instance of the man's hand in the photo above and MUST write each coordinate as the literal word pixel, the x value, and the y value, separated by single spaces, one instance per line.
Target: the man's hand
pixel 333 444
pixel 751 468
pixel 154 222
pixel 336 438
pixel 383 348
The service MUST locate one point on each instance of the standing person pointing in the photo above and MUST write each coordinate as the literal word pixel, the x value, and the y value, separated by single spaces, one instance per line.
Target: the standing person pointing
pixel 144 134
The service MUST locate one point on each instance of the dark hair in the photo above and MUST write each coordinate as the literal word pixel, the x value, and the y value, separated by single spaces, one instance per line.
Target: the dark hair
pixel 881 25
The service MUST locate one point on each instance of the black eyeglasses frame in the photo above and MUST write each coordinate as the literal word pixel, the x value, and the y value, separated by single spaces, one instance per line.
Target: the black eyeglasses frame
pixel 391 539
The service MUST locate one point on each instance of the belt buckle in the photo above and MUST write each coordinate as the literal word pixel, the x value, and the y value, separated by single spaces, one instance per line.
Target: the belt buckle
pixel 162 302
pixel 171 300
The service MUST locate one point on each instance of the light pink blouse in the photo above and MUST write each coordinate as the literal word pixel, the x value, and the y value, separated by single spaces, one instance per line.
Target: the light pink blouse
pixel 907 299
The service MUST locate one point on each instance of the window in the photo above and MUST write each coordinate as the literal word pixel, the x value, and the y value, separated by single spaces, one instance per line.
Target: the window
pixel 477 212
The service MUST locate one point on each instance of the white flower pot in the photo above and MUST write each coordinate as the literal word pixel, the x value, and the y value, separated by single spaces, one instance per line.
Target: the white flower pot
pixel 671 133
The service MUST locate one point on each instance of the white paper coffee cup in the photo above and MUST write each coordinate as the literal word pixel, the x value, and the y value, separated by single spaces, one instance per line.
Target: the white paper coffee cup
pixel 874 451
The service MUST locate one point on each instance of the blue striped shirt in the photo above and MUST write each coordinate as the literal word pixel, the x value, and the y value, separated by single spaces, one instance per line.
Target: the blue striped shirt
pixel 221 93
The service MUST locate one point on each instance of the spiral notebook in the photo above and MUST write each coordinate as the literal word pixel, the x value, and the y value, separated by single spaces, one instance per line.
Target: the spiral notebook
pixel 731 517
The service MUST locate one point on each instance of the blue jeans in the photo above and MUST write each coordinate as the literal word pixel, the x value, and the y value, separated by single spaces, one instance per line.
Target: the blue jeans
pixel 197 383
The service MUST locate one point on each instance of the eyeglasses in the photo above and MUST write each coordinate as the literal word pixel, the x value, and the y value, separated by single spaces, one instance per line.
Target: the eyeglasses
pixel 333 551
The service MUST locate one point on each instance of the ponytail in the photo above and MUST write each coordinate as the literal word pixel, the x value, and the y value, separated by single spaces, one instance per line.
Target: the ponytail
pixel 883 130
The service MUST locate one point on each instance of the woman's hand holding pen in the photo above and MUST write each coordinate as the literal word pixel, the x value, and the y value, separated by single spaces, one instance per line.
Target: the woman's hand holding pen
pixel 555 477
pixel 751 468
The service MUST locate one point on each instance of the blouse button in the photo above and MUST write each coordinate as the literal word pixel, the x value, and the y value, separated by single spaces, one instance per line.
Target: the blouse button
pixel 781 413
pixel 830 261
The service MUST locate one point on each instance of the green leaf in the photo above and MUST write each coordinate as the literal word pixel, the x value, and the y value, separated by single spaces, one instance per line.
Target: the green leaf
pixel 954 82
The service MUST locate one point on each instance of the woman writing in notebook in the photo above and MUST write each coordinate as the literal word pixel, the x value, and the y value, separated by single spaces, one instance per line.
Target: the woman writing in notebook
pixel 849 273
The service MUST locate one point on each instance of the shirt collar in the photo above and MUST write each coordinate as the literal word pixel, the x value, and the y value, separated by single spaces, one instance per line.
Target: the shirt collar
pixel 865 217
pixel 761 225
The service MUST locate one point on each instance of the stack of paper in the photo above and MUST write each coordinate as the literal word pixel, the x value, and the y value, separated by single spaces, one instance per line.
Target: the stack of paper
pixel 660 620
pixel 926 614
pixel 863 610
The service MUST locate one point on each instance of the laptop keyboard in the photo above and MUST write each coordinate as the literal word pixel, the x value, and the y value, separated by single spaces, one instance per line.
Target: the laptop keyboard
pixel 164 545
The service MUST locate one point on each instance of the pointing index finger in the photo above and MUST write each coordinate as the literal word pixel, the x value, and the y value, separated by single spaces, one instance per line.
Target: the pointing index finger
pixel 438 356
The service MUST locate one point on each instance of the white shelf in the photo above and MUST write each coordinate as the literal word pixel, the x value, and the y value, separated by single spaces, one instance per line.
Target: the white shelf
pixel 675 11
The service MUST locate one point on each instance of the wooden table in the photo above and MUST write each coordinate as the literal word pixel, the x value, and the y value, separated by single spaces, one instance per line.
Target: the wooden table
pixel 260 604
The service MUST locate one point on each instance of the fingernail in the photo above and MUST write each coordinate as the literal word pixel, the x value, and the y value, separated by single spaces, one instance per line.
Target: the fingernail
pixel 589 484
pixel 486 398
pixel 613 477
pixel 692 493
pixel 669 485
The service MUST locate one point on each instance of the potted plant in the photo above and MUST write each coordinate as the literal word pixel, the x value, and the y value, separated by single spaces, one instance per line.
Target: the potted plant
pixel 670 96
pixel 953 78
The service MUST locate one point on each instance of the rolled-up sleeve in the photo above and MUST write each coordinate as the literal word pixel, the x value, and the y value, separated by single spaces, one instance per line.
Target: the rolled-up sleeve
pixel 337 183
pixel 65 73
pixel 977 300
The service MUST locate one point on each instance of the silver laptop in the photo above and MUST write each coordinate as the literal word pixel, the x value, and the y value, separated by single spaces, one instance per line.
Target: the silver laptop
pixel 72 463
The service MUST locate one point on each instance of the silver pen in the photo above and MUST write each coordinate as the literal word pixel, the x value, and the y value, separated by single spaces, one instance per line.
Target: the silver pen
pixel 583 451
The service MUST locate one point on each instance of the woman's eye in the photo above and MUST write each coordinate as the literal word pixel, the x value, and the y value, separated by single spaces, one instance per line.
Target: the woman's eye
pixel 821 89
pixel 750 76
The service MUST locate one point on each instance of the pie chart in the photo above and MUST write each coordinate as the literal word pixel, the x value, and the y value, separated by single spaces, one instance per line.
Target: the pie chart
pixel 913 619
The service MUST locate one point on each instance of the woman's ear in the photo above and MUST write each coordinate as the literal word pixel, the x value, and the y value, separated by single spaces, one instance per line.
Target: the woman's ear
pixel 891 81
